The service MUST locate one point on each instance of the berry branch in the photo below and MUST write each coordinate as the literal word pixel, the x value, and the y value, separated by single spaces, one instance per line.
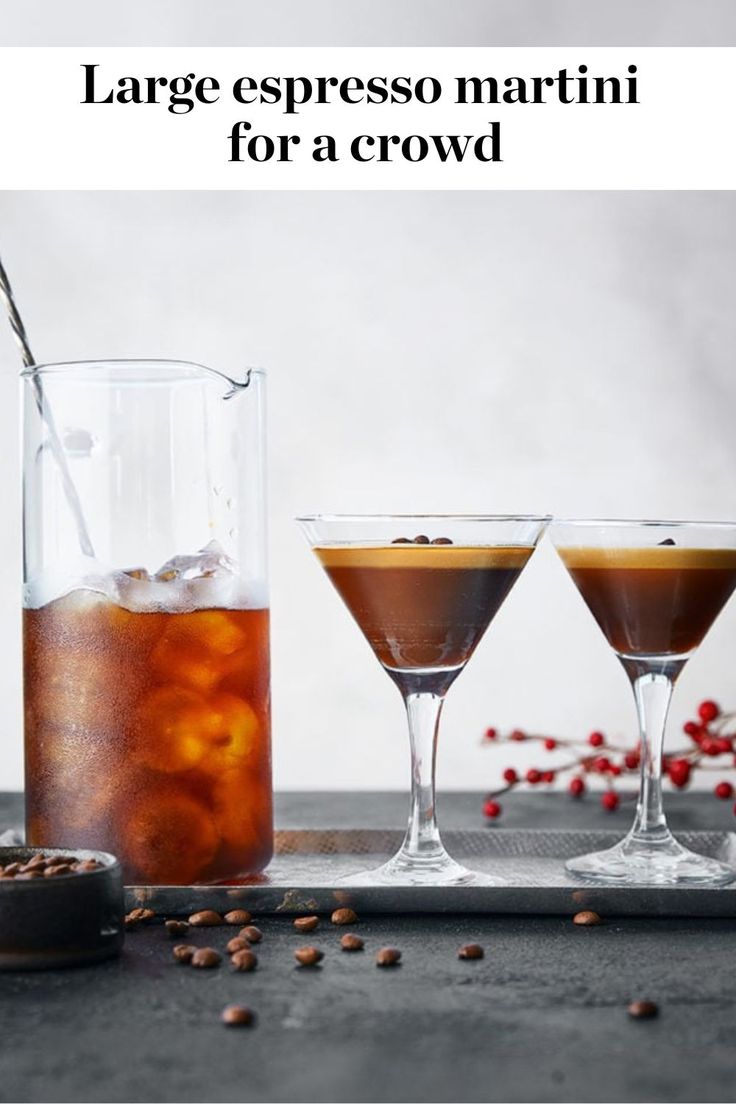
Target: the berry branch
pixel 711 735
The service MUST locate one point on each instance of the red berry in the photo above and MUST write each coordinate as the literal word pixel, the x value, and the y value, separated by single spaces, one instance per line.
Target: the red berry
pixel 679 772
pixel 724 745
pixel 615 770
pixel 631 760
pixel 548 776
pixel 491 809
pixel 602 763
pixel 510 776
pixel 690 728
pixel 708 711
pixel 533 776
pixel 596 739
pixel 576 787
pixel 517 735
pixel 609 801
pixel 550 744
pixel 710 746
pixel 491 734
pixel 724 790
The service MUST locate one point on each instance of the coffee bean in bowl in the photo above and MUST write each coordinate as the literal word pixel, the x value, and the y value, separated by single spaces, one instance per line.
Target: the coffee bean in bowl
pixel 58 907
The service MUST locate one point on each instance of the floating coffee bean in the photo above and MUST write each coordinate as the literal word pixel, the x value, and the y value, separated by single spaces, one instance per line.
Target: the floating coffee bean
pixel 237 1015
pixel 643 1009
pixel 308 956
pixel 176 927
pixel 421 539
pixel 586 918
pixel 401 540
pixel 388 956
pixel 441 540
pixel 183 952
pixel 667 541
pixel 244 961
pixel 251 933
pixel 237 916
pixel 306 923
pixel 207 918
pixel 206 958
pixel 344 916
pixel 350 942
pixel 471 951
pixel 237 943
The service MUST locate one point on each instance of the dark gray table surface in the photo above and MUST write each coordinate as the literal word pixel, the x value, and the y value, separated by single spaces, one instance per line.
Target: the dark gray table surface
pixel 541 1018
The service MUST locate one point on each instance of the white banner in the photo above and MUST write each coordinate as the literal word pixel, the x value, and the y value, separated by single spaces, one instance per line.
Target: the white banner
pixel 379 117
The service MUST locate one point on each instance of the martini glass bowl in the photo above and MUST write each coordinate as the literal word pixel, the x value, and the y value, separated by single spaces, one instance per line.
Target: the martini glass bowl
pixel 423 589
pixel 654 588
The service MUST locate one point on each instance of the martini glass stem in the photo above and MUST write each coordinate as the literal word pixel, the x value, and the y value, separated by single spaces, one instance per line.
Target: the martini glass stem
pixel 422 840
pixel 653 693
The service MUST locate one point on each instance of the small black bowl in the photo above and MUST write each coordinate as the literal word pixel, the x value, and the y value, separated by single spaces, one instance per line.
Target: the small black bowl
pixel 67 920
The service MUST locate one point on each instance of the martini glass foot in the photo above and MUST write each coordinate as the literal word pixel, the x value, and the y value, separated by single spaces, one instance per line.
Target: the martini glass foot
pixel 440 870
pixel 639 863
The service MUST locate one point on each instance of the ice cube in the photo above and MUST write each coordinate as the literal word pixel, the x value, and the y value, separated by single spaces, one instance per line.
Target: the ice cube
pixel 210 562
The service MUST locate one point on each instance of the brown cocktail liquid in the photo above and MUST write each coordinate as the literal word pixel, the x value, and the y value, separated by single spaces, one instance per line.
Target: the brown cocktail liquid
pixel 426 606
pixel 148 735
pixel 653 601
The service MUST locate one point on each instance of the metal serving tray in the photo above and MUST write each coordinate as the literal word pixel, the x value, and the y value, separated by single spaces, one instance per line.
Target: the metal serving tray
pixel 308 871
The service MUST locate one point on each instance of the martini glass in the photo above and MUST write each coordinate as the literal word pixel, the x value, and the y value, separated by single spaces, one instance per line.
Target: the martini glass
pixel 423 590
pixel 655 588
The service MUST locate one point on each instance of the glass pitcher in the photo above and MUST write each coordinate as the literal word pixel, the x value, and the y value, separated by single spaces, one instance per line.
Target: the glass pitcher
pixel 146 622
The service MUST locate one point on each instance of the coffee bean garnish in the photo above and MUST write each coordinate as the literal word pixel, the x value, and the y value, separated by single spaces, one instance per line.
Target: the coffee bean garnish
pixel 401 540
pixel 207 918
pixel 251 933
pixel 308 956
pixel 471 951
pixel 441 540
pixel 205 958
pixel 421 539
pixel 586 918
pixel 388 956
pixel 669 541
pixel 237 943
pixel 643 1009
pixel 306 923
pixel 176 927
pixel 183 952
pixel 237 916
pixel 350 942
pixel 343 916
pixel 237 1015
pixel 244 961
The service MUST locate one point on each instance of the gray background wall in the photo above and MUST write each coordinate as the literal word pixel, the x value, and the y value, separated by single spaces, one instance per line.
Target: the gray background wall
pixel 563 352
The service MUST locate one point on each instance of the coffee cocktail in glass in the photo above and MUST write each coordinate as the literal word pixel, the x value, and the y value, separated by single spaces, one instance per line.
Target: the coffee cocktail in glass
pixel 147 692
pixel 654 588
pixel 423 589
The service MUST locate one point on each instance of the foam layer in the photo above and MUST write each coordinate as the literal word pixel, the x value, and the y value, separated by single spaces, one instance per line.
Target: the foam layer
pixel 412 556
pixel 578 558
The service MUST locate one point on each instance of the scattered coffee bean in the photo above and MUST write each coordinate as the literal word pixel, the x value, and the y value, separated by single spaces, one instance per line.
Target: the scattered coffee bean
pixel 244 961
pixel 643 1009
pixel 237 943
pixel 586 918
pixel 141 915
pixel 441 540
pixel 206 958
pixel 237 916
pixel 308 956
pixel 350 942
pixel 183 952
pixel 207 918
pixel 176 927
pixel 306 923
pixel 237 1015
pixel 251 933
pixel 470 951
pixel 343 916
pixel 401 540
pixel 421 539
pixel 388 956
